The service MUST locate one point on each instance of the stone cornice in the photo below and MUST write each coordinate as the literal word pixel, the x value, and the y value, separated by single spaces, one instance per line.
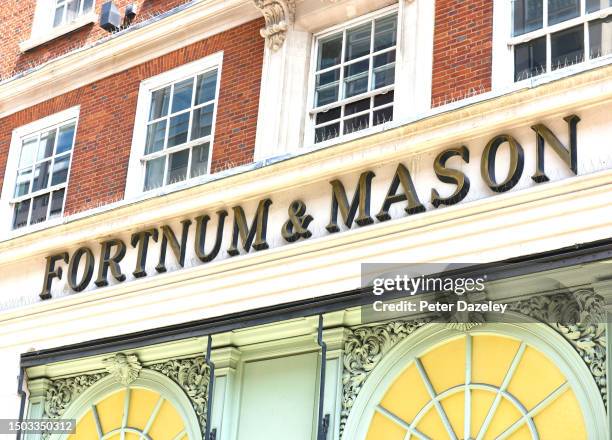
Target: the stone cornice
pixel 134 46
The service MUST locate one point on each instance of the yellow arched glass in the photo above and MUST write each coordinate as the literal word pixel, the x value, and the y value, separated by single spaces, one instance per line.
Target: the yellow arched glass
pixel 131 414
pixel 479 387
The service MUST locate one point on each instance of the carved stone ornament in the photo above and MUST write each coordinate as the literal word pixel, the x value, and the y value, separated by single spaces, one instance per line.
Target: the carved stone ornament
pixel 124 368
pixel 62 392
pixel 193 376
pixel 580 318
pixel 363 350
pixel 279 15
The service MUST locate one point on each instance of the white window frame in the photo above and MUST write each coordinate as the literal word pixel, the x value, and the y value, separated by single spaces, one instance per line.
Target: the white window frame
pixel 10 175
pixel 64 3
pixel 413 69
pixel 136 167
pixel 341 102
pixel 504 44
pixel 43 30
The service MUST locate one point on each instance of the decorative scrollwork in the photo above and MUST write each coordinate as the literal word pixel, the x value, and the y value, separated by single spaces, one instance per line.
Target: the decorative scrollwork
pixel 193 376
pixel 124 368
pixel 579 317
pixel 62 392
pixel 363 350
pixel 279 15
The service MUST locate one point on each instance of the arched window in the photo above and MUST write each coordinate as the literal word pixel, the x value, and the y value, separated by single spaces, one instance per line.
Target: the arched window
pixel 481 385
pixel 152 407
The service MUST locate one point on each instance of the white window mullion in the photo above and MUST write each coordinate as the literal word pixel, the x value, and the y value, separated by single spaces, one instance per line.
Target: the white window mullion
pixel 548 54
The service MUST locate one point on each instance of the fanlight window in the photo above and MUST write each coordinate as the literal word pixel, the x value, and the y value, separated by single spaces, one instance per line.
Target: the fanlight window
pixel 479 387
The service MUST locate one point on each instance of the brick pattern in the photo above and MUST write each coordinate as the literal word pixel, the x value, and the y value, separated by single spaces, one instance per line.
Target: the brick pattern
pixel 462 49
pixel 108 107
pixel 17 17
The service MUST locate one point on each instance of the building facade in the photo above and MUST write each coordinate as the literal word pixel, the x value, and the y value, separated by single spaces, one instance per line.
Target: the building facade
pixel 199 198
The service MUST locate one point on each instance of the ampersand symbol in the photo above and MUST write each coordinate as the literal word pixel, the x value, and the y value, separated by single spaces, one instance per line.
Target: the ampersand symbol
pixel 297 225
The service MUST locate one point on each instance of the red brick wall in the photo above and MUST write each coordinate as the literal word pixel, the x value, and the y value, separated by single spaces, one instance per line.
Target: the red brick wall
pixel 108 107
pixel 17 17
pixel 462 49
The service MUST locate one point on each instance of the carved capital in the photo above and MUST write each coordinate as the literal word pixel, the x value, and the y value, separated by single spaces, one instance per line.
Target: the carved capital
pixel 279 15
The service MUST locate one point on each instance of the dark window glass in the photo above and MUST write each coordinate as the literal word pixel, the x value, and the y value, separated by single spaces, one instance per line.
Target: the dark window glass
pixel 358 42
pixel 47 142
pixel 385 32
pixel 154 173
pixel 330 51
pixel 561 10
pixel 567 47
pixel 327 87
pixel 356 78
pixel 155 136
pixel 328 116
pixel 383 115
pixel 357 106
pixel 383 98
pixel 177 133
pixel 530 59
pixel 40 206
pixel 22 187
pixel 20 217
pixel 206 88
pixel 202 121
pixel 66 139
pixel 57 203
pixel 600 35
pixel 41 176
pixel 199 160
pixel 596 5
pixel 357 123
pixel 527 16
pixel 181 98
pixel 177 166
pixel 160 99
pixel 328 132
pixel 60 170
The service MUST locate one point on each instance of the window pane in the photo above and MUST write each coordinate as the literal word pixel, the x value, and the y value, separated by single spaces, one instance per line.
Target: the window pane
pixel 155 136
pixel 328 116
pixel 181 98
pixel 561 10
pixel 199 160
pixel 159 103
pixel 527 16
pixel 567 47
pixel 600 34
pixel 65 140
pixel 40 206
pixel 87 5
pixel 358 42
pixel 47 142
pixel 177 134
pixel 330 51
pixel 154 173
pixel 57 203
pixel 383 115
pixel 384 70
pixel 58 17
pixel 206 88
pixel 596 5
pixel 202 121
pixel 73 10
pixel 356 78
pixel 357 106
pixel 177 167
pixel 41 176
pixel 328 132
pixel 28 150
pixel 60 170
pixel 20 217
pixel 327 87
pixel 384 98
pixel 530 59
pixel 357 123
pixel 385 32
pixel 22 186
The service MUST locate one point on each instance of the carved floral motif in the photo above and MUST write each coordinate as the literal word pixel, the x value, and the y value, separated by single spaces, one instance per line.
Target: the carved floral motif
pixel 279 15
pixel 124 368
